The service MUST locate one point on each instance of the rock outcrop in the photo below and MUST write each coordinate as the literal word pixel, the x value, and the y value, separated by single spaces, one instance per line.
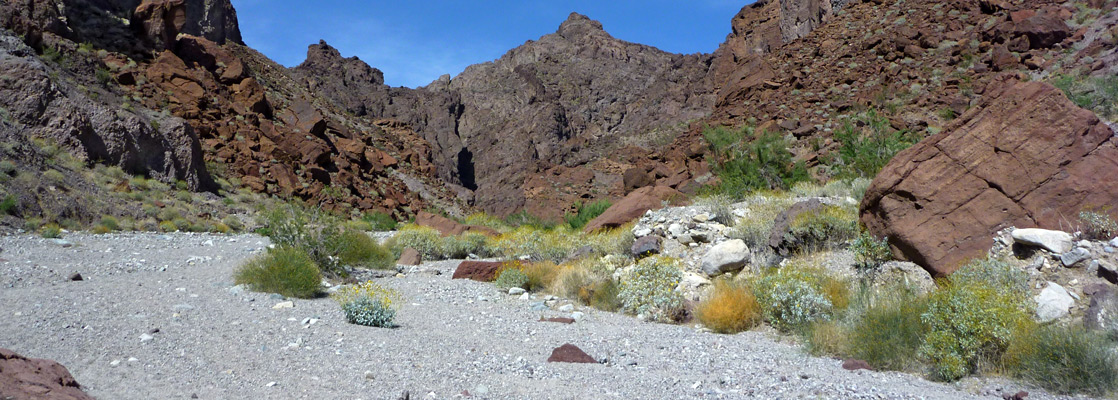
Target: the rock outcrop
pixel 633 206
pixel 33 378
pixel 1025 157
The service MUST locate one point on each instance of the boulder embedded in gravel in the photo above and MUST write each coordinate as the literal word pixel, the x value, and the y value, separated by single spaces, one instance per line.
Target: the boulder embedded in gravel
pixel 1024 156
pixel 561 320
pixel 851 364
pixel 410 257
pixel 570 353
pixel 728 256
pixel 633 206
pixel 33 378
pixel 484 271
pixel 645 246
pixel 1054 241
pixel 1053 303
pixel 1102 313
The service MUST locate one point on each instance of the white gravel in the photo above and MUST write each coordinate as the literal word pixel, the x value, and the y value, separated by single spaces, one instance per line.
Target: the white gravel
pixel 157 316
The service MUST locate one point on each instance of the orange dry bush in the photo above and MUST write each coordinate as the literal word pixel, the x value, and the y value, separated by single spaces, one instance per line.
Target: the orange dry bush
pixel 730 309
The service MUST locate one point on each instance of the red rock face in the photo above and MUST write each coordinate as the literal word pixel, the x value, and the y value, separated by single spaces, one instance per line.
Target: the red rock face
pixel 633 206
pixel 33 378
pixel 1026 157
pixel 483 271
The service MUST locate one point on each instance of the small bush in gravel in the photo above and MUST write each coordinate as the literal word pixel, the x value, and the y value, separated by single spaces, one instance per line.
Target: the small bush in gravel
pixel 460 246
pixel 970 324
pixel 1097 226
pixel 540 244
pixel 573 281
pixel 1064 360
pixel 110 222
pixel 423 239
pixel 286 270
pixel 890 332
pixel 792 297
pixel 649 288
pixel 369 304
pixel 870 252
pixel 605 295
pixel 357 249
pixel 51 231
pixel 167 226
pixel 541 275
pixel 511 277
pixel 828 338
pixel 8 204
pixel 729 309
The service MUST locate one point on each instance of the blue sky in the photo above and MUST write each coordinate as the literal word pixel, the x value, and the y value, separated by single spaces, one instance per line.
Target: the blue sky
pixel 414 42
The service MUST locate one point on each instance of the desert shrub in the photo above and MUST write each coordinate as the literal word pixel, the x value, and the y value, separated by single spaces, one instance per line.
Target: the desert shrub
pixel 486 220
pixel 380 221
pixel 969 324
pixel 997 273
pixel 103 76
pixel 827 228
pixel 718 205
pixel 757 225
pixel 573 281
pixel 50 231
pixel 8 204
pixel 460 246
pixel 605 295
pixel 1097 226
pixel 182 224
pixel 794 297
pixel 369 304
pixel 617 241
pixel 889 333
pixel 524 218
pixel 541 275
pixel 289 271
pixel 1098 94
pixel 110 222
pixel 423 239
pixel 729 309
pixel 586 212
pixel 54 177
pixel 1064 360
pixel 745 160
pixel 865 151
pixel 511 277
pixel 7 167
pixel 357 249
pixel 319 235
pixel 218 227
pixel 100 230
pixel 233 223
pixel 828 338
pixel 539 244
pixel 649 288
pixel 167 226
pixel 870 252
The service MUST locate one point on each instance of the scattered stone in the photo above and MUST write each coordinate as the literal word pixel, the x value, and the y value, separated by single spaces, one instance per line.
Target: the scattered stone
pixel 570 353
pixel 1073 257
pixel 1054 241
pixel 851 364
pixel 33 378
pixel 369 375
pixel 639 232
pixel 1016 396
pixel 567 308
pixel 146 338
pixel 727 256
pixel 561 320
pixel 484 271
pixel 1114 242
pixel 62 242
pixel 525 296
pixel 645 246
pixel 270 384
pixel 577 315
pixel 1102 313
pixel 284 304
pixel 409 257
pixel 516 291
pixel 1053 303
pixel 779 239
pixel 75 277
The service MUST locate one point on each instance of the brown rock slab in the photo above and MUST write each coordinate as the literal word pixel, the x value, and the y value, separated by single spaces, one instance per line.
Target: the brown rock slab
pixel 484 271
pixel 1026 156
pixel 561 320
pixel 33 378
pixel 633 206
pixel 409 257
pixel 570 353
pixel 851 364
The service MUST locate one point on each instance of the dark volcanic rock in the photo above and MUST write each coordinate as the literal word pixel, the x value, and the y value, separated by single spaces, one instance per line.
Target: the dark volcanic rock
pixel 1025 157
pixel 779 240
pixel 33 378
pixel 484 271
pixel 570 353
pixel 645 246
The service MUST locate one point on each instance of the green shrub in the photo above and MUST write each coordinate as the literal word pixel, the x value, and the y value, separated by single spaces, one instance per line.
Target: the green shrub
pixel 757 225
pixel 1064 360
pixel 380 221
pixel 585 213
pixel 315 232
pixel 997 273
pixel 1098 94
pixel 746 161
pixel 865 151
pixel 103 76
pixel 423 239
pixel 288 271
pixel 357 249
pixel 8 204
pixel 167 226
pixel 110 222
pixel 889 333
pixel 827 228
pixel 539 244
pixel 870 252
pixel 368 304
pixel 795 296
pixel 233 223
pixel 50 231
pixel 54 177
pixel 605 295
pixel 1095 226
pixel 969 326
pixel 461 246
pixel 510 278
pixel 649 288
pixel 8 168
pixel 616 241
pixel 523 218
pixel 729 309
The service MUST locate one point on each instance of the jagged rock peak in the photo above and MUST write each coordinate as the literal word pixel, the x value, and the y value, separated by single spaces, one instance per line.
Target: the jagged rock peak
pixel 578 25
pixel 323 57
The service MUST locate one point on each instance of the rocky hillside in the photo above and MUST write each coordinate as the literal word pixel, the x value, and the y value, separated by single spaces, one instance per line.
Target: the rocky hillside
pixel 515 130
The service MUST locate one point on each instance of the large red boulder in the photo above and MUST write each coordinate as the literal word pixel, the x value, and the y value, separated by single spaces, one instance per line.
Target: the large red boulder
pixel 483 271
pixel 33 378
pixel 634 205
pixel 1025 157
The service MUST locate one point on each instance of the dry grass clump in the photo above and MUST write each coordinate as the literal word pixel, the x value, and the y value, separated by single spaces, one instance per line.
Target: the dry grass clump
pixel 730 309
pixel 1065 360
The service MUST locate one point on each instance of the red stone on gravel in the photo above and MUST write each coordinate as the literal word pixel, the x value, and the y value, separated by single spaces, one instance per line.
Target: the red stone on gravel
pixel 561 320
pixel 851 364
pixel 33 378
pixel 484 271
pixel 570 353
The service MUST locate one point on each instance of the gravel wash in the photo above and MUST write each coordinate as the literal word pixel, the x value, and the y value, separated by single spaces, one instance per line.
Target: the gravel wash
pixel 157 316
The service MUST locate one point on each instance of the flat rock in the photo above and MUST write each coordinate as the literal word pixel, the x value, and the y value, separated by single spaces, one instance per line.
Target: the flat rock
pixel 1075 256
pixel 1053 303
pixel 727 256
pixel 1102 313
pixel 570 353
pixel 561 320
pixel 1054 241
pixel 484 271
pixel 851 364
